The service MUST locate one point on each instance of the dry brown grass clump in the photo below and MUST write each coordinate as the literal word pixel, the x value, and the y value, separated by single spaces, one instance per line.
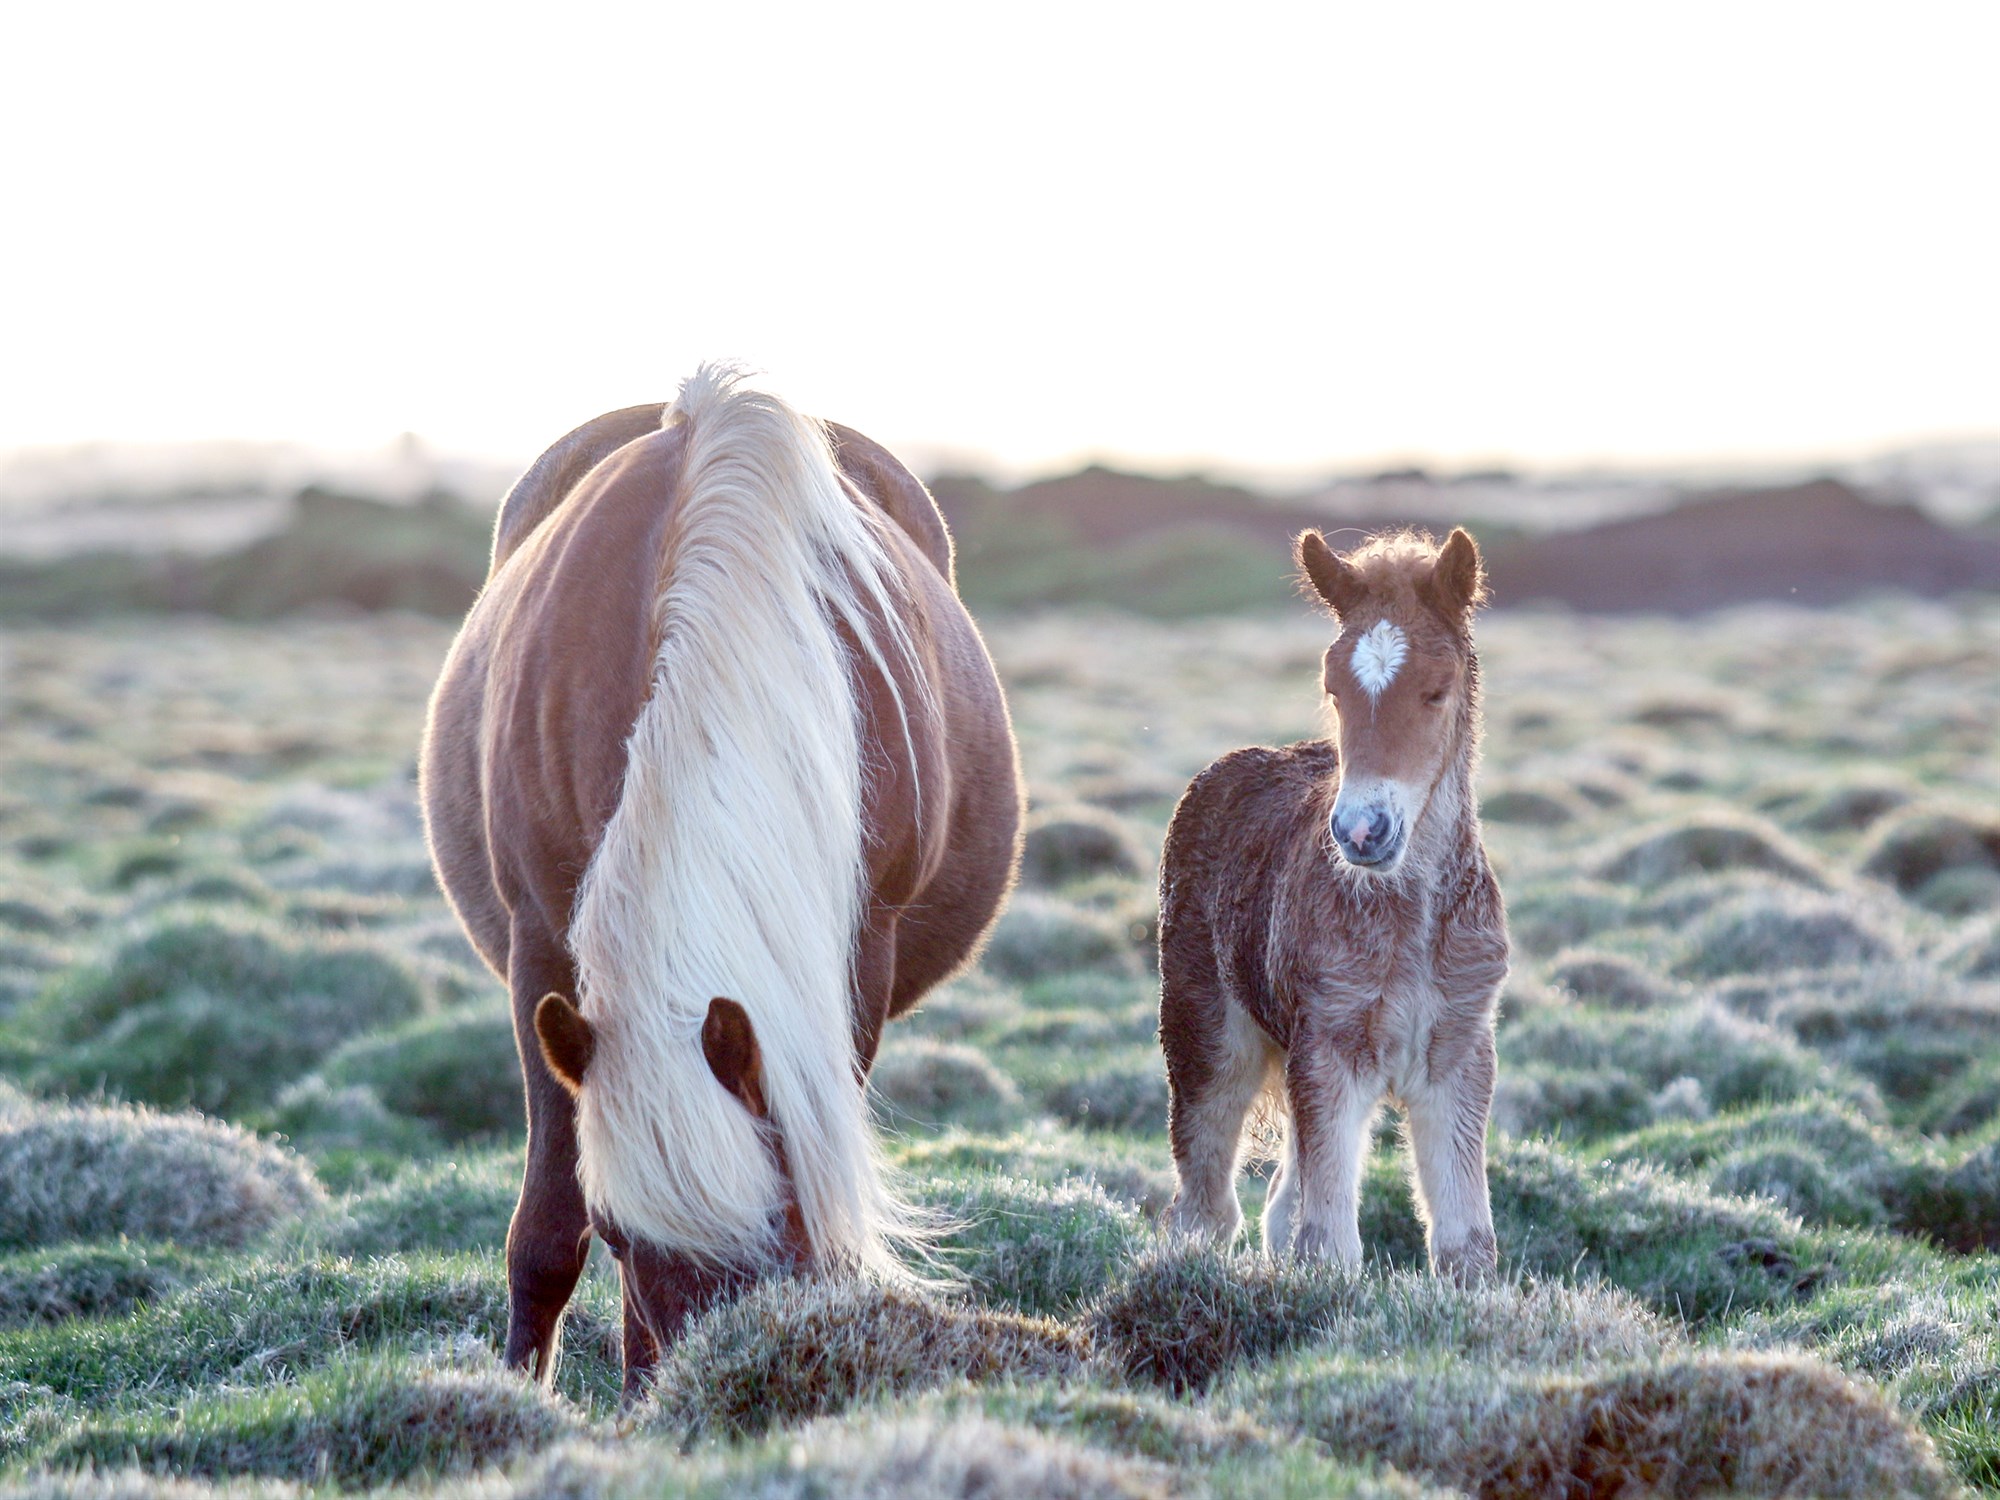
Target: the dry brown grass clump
pixel 1690 1426
pixel 791 1350
pixel 1707 845
pixel 76 1173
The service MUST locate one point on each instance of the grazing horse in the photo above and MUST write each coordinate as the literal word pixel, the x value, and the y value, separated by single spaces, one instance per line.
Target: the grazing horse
pixel 718 777
pixel 1330 931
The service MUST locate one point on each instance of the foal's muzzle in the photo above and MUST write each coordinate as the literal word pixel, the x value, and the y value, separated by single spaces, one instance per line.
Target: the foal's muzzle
pixel 1370 835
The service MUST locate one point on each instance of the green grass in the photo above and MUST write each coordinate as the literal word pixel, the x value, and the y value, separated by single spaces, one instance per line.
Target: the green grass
pixel 1745 1167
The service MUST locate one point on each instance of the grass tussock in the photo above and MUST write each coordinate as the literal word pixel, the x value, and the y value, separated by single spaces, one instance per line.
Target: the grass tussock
pixel 89 1281
pixel 362 1422
pixel 1030 1246
pixel 1617 1063
pixel 1680 1248
pixel 917 1457
pixel 105 1172
pixel 1062 846
pixel 1040 936
pixel 214 1013
pixel 1784 930
pixel 457 1072
pixel 1130 1096
pixel 1130 1175
pixel 1612 980
pixel 1533 805
pixel 1709 845
pixel 791 1350
pixel 456 1205
pixel 1924 843
pixel 268 1319
pixel 1185 1315
pixel 1685 1426
pixel 931 1083
pixel 1908 1028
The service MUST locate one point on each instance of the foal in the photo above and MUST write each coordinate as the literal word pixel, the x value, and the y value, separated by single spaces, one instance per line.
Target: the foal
pixel 1328 918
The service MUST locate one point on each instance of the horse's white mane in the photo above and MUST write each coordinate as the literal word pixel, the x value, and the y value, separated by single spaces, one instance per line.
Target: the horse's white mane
pixel 734 863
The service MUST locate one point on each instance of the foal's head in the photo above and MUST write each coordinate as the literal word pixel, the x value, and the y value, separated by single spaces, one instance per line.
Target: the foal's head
pixel 1402 679
pixel 662 1285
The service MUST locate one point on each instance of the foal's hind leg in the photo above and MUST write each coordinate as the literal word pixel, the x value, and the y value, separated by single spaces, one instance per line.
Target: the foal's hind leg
pixel 1218 1061
pixel 549 1238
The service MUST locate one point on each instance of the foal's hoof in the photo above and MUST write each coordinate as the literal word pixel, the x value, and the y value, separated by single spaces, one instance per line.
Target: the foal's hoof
pixel 1328 1246
pixel 1216 1230
pixel 1469 1262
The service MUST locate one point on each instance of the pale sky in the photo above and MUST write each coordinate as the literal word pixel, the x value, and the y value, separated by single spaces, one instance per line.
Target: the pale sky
pixel 1269 237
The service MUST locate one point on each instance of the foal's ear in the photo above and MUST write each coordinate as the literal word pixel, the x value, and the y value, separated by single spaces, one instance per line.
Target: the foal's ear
pixel 729 1042
pixel 1333 580
pixel 567 1041
pixel 1458 580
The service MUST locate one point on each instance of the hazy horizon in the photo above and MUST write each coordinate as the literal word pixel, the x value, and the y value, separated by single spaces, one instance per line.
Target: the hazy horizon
pixel 1552 237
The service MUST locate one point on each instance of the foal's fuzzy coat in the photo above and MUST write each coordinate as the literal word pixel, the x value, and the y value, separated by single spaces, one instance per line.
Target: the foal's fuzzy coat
pixel 1331 933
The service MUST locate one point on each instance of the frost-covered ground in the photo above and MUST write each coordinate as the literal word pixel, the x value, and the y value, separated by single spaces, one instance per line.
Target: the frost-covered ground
pixel 1746 1165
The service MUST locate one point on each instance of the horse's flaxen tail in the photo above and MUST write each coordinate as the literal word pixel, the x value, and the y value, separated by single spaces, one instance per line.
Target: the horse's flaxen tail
pixel 734 863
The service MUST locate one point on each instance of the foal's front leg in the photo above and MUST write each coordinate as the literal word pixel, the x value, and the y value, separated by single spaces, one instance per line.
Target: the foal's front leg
pixel 1333 1104
pixel 1448 1109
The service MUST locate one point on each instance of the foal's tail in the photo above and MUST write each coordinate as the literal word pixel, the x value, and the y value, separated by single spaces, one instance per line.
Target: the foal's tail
pixel 734 863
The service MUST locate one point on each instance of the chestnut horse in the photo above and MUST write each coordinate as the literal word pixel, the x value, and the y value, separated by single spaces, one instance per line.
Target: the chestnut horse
pixel 718 777
pixel 1330 931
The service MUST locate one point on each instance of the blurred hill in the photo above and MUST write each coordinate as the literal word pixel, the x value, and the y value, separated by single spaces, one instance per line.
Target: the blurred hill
pixel 1185 546
pixel 1168 547
pixel 333 550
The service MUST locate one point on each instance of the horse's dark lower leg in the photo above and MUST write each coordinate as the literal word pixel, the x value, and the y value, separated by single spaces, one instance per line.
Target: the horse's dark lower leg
pixel 549 1238
pixel 548 1243
pixel 874 985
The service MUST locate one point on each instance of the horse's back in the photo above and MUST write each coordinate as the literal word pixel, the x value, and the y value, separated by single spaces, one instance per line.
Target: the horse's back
pixel 562 466
pixel 524 753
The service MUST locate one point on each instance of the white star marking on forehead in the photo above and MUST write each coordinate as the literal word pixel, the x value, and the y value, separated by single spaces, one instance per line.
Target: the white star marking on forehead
pixel 1377 656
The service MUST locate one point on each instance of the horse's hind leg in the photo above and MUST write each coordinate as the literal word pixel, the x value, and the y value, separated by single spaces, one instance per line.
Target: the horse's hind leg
pixel 549 1238
pixel 1281 1201
pixel 1218 1062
